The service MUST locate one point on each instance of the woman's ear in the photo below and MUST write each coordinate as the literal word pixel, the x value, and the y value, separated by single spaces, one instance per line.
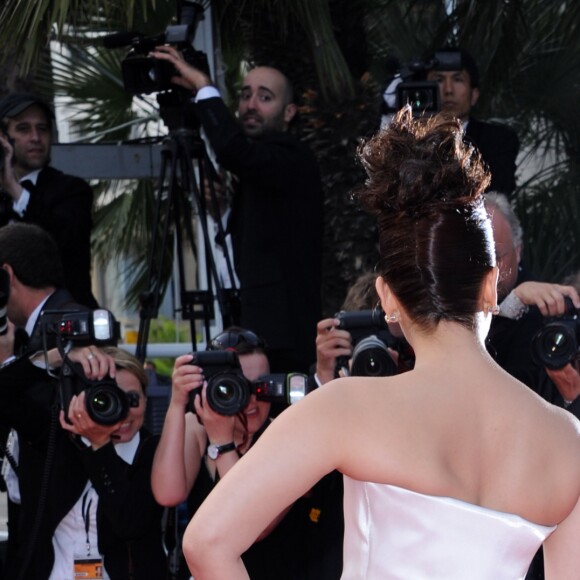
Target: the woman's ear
pixel 388 301
pixel 489 290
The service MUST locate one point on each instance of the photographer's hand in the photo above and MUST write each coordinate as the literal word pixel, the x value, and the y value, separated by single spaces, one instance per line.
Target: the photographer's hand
pixel 83 425
pixel 8 180
pixel 186 377
pixel 190 77
pixel 567 381
pixel 7 343
pixel 219 428
pixel 96 364
pixel 549 298
pixel 331 343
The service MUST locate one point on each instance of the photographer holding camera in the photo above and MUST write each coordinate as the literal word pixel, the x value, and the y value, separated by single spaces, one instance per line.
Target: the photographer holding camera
pixel 358 337
pixel 459 93
pixel 34 192
pixel 92 488
pixel 276 219
pixel 523 303
pixel 198 448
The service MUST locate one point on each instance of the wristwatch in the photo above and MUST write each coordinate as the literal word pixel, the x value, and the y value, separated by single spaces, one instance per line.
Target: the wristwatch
pixel 214 451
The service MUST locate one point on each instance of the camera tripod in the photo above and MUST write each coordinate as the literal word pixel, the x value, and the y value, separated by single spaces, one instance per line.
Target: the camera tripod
pixel 178 196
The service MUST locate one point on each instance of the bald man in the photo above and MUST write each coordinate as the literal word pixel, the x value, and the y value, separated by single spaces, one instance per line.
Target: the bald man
pixel 276 220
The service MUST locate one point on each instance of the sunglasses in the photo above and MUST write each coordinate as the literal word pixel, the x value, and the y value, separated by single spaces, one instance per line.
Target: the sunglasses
pixel 231 339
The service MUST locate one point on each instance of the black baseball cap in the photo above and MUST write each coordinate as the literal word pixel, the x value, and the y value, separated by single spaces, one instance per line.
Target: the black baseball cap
pixel 15 103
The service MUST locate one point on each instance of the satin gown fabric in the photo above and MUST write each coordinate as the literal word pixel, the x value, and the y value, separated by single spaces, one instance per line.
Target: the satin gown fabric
pixel 394 533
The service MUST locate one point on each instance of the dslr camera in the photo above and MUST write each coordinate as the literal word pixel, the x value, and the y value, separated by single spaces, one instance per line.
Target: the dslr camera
pixel 105 402
pixel 411 87
pixel 557 342
pixel 371 340
pixel 228 390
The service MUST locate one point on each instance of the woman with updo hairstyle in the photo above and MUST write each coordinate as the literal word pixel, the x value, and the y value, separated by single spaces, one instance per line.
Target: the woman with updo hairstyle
pixel 451 470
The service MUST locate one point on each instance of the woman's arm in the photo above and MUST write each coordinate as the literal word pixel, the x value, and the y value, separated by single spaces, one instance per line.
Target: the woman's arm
pixel 298 448
pixel 180 450
pixel 561 555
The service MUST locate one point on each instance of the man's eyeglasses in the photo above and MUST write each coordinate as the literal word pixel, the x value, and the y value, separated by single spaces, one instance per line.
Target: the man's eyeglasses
pixel 231 339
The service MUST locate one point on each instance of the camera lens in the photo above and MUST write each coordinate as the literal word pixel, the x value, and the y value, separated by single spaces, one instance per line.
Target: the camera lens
pixel 370 358
pixel 555 345
pixel 106 404
pixel 227 393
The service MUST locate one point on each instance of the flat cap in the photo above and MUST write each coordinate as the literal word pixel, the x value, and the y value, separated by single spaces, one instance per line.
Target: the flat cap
pixel 15 103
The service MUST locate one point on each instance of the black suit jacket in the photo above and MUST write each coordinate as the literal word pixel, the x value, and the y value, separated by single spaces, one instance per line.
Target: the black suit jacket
pixel 62 205
pixel 276 226
pixel 499 146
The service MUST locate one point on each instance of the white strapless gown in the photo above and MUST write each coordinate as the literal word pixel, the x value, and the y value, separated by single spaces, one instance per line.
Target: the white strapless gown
pixel 393 533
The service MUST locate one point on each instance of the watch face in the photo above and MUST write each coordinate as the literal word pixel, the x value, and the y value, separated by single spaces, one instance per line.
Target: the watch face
pixel 213 451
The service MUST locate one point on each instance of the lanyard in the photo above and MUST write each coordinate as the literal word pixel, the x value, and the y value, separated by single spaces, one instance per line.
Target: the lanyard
pixel 85 511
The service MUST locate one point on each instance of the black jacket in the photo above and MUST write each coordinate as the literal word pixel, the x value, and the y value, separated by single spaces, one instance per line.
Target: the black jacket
pixel 499 146
pixel 276 226
pixel 62 205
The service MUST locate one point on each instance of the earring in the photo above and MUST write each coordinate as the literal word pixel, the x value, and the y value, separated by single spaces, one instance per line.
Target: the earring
pixel 493 310
pixel 391 317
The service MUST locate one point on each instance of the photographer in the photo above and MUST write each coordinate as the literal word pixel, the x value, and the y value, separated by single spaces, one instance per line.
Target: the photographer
pixel 198 448
pixel 522 304
pixel 459 93
pixel 276 219
pixel 54 468
pixel 334 341
pixel 34 192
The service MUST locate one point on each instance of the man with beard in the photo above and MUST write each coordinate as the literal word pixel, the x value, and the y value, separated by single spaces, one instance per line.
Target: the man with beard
pixel 276 219
pixel 34 192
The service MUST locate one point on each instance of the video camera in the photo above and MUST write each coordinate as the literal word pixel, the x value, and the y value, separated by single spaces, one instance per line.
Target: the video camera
pixel 228 390
pixel 143 74
pixel 557 342
pixel 105 402
pixel 371 340
pixel 410 85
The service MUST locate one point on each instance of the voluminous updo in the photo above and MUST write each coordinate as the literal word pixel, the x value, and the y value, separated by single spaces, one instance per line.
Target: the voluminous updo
pixel 425 186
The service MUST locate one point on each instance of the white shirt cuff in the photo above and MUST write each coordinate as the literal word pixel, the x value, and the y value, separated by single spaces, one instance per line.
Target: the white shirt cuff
pixel 20 206
pixel 206 93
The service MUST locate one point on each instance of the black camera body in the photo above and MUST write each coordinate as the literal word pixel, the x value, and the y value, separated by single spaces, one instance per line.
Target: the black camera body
pixel 105 402
pixel 557 342
pixel 371 340
pixel 415 90
pixel 228 390
pixel 143 74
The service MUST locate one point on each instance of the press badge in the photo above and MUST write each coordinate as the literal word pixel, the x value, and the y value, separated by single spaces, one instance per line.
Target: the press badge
pixel 89 568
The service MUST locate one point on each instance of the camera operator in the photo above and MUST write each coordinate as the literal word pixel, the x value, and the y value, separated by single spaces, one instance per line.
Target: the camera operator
pixel 276 220
pixel 45 516
pixel 198 448
pixel 498 144
pixel 33 192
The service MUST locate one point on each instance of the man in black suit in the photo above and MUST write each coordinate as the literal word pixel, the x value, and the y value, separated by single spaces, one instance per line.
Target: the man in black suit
pixel 498 144
pixel 276 220
pixel 34 192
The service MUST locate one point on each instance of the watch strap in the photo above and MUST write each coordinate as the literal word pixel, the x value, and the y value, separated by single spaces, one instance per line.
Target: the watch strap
pixel 214 451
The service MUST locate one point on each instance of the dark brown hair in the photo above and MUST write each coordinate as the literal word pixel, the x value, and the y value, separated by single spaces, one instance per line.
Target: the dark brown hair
pixel 425 186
